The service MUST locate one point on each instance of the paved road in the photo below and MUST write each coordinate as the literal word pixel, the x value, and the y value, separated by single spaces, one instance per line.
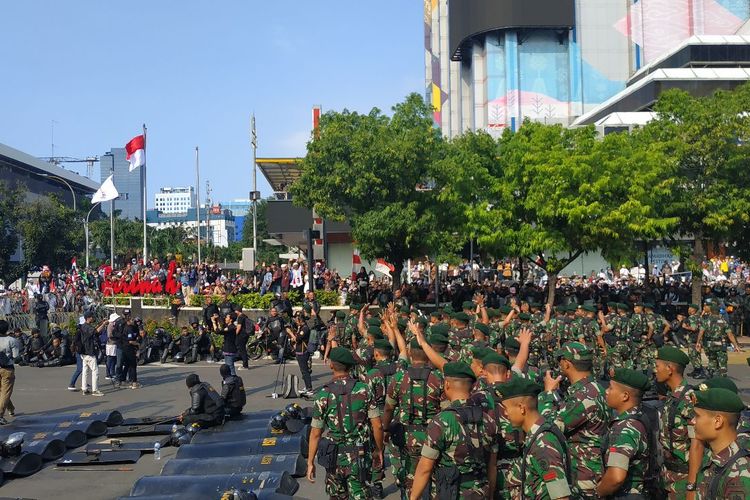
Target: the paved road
pixel 43 391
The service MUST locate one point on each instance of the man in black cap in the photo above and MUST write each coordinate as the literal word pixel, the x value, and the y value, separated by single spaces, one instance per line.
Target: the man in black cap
pixel 206 406
pixel 87 345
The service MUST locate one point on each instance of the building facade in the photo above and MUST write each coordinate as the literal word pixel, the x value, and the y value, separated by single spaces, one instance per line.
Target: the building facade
pixel 175 200
pixel 128 184
pixel 242 209
pixel 490 65
pixel 216 224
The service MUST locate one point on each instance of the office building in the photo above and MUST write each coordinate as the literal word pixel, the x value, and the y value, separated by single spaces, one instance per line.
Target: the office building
pixel 220 223
pixel 175 200
pixel 128 184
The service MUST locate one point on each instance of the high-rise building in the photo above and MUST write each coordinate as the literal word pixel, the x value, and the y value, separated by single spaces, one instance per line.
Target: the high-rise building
pixel 241 208
pixel 175 200
pixel 128 184
pixel 492 64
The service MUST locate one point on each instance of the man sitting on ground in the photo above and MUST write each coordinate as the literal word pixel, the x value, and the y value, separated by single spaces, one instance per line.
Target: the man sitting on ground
pixel 206 406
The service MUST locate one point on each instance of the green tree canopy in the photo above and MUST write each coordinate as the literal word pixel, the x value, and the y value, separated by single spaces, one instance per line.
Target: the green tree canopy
pixel 10 214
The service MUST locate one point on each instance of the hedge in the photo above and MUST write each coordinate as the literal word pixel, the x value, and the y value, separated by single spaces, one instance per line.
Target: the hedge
pixel 255 300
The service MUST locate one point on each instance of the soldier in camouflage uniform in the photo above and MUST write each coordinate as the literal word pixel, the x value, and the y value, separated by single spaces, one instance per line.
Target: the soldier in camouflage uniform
pixel 726 472
pixel 676 433
pixel 459 451
pixel 693 325
pixel 641 332
pixel 412 400
pixel 582 416
pixel 346 410
pixel 462 334
pixel 537 349
pixel 714 336
pixel 627 450
pixel 743 427
pixel 378 379
pixel 591 335
pixel 543 470
pixel 351 332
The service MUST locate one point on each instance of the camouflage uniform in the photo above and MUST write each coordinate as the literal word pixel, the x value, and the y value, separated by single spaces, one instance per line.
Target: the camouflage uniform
pixel 347 420
pixel 622 357
pixel 715 342
pixel 452 443
pixel 627 449
pixel 734 483
pixel 583 417
pixel 414 404
pixel 695 357
pixel 537 347
pixel 590 331
pixel 378 379
pixel 459 338
pixel 743 430
pixel 674 438
pixel 642 350
pixel 545 468
pixel 345 332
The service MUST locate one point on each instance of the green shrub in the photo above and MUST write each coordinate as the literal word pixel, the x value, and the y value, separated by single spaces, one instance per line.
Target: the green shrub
pixel 255 300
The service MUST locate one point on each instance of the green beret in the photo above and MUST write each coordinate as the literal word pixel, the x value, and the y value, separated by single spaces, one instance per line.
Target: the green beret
pixel 440 329
pixel 648 305
pixel 414 344
pixel 422 321
pixel 519 386
pixel 448 308
pixel 342 355
pixel 402 323
pixel 482 328
pixel 715 307
pixel 624 307
pixel 459 370
pixel 694 306
pixel 462 316
pixel 493 358
pixel 612 305
pixel 374 322
pixel 341 314
pixel 435 314
pixel 718 383
pixel 589 308
pixel 374 331
pixel 673 355
pixel 574 351
pixel 719 400
pixel 480 352
pixel 405 309
pixel 493 313
pixel 638 304
pixel 571 308
pixel 524 316
pixel 438 339
pixel 505 309
pixel 383 345
pixel 632 378
pixel 535 304
pixel 512 344
pixel 468 305
pixel 355 306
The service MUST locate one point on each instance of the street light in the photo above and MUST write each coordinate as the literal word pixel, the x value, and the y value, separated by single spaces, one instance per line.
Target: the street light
pixel 86 230
pixel 50 176
pixel 111 218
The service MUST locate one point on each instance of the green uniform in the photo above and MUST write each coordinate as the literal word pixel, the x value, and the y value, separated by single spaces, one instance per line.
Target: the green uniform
pixel 696 359
pixel 544 464
pixel 414 393
pixel 377 381
pixel 346 418
pixel 454 443
pixel 643 349
pixel 732 484
pixel 675 434
pixel 715 340
pixel 583 417
pixel 627 449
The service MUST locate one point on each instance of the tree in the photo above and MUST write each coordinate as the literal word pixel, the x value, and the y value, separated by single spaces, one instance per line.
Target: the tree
pixel 705 139
pixel 558 193
pixel 11 201
pixel 366 169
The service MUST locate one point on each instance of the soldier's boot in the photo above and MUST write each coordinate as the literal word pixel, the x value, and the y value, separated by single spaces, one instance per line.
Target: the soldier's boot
pixel 377 490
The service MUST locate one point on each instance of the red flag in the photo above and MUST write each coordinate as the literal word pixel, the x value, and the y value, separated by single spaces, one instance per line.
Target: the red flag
pixel 136 150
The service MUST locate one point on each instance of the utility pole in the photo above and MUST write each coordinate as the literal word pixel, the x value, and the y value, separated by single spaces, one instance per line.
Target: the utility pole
pixel 254 197
pixel 209 238
pixel 198 201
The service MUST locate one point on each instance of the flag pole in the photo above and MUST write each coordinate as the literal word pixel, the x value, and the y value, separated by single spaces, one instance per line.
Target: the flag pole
pixel 198 201
pixel 254 143
pixel 145 200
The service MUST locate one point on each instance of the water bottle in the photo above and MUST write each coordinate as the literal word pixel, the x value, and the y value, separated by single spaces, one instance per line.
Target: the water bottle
pixel 157 451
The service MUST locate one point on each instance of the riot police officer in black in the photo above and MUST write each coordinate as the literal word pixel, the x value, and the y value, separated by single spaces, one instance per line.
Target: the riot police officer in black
pixel 206 406
pixel 232 392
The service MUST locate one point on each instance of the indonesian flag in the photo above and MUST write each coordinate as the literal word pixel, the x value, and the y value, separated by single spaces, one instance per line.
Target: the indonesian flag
pixel 356 263
pixel 136 150
pixel 383 267
pixel 106 191
pixel 74 269
pixel 73 264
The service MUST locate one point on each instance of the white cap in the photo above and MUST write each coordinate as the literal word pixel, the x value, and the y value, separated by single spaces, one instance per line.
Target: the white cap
pixel 113 317
pixel 81 320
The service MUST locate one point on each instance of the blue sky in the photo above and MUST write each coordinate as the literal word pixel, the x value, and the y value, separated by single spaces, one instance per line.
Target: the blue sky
pixel 194 71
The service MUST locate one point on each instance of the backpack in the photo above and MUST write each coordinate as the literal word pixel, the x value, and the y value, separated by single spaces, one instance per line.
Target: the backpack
pixel 713 487
pixel 553 429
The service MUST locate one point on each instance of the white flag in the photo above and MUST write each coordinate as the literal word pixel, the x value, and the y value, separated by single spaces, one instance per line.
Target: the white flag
pixel 106 192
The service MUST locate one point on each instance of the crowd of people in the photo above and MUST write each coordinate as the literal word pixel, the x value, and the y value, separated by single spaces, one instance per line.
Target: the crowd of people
pixel 528 413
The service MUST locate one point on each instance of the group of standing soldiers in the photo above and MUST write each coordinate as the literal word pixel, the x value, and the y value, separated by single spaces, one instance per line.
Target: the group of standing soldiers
pixel 511 404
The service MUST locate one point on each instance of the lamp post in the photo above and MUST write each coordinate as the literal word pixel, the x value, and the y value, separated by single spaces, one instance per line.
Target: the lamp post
pixel 86 230
pixel 72 193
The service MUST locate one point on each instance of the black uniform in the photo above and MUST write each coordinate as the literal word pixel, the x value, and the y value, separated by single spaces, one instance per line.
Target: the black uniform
pixel 206 406
pixel 233 394
pixel 302 354
pixel 130 354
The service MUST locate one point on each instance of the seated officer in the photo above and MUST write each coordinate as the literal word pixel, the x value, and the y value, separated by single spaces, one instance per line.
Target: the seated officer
pixel 206 406
pixel 232 392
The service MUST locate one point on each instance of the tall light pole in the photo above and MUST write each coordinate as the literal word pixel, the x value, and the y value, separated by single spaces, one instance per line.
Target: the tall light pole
pixel 198 201
pixel 86 230
pixel 254 143
pixel 57 177
pixel 111 217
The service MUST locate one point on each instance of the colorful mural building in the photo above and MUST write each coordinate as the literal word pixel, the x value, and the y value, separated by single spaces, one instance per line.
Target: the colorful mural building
pixel 491 64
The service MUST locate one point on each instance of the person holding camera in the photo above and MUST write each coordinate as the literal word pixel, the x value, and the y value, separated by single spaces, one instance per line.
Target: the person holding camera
pixel 87 346
pixel 300 337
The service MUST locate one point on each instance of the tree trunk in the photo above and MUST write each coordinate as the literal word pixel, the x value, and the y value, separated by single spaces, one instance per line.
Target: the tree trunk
pixel 520 270
pixel 399 267
pixel 645 262
pixel 697 281
pixel 551 284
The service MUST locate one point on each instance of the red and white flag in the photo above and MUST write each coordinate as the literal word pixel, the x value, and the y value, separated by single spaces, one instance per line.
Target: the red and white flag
pixel 136 150
pixel 383 267
pixel 356 263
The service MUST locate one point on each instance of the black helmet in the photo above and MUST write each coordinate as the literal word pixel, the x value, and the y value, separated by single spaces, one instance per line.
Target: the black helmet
pixel 294 411
pixel 193 320
pixel 179 436
pixel 278 422
pixel 137 320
